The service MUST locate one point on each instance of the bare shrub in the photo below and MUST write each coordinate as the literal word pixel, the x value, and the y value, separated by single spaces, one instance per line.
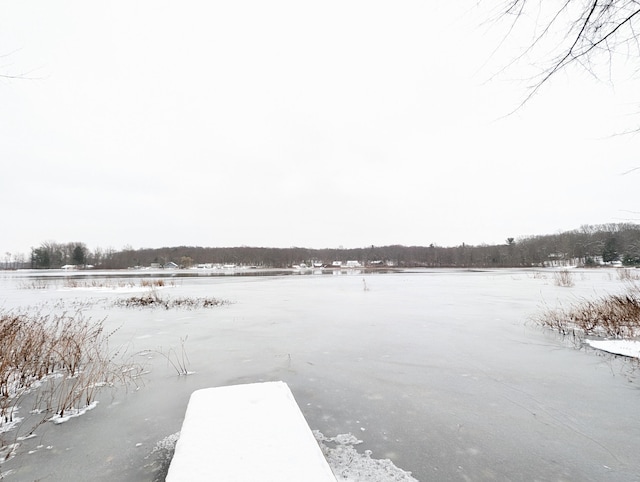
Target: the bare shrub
pixel 563 278
pixel 627 274
pixel 63 359
pixel 539 275
pixel 616 316
pixel 106 283
pixel 153 283
pixel 35 284
pixel 154 300
pixel 179 361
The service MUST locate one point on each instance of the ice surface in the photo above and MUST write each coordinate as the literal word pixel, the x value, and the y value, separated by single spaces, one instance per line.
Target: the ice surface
pixel 443 368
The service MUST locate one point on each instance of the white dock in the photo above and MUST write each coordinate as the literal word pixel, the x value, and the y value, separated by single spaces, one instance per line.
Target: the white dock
pixel 247 433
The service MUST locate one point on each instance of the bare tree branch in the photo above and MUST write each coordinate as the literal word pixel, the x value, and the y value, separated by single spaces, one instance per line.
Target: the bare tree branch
pixel 589 28
pixel 9 76
pixel 563 61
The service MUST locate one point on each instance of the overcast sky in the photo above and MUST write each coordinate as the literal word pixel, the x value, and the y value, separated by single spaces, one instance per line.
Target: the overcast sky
pixel 292 123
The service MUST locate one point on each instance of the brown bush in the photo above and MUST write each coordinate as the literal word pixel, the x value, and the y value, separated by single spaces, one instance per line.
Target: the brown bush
pixel 616 316
pixel 154 300
pixel 63 358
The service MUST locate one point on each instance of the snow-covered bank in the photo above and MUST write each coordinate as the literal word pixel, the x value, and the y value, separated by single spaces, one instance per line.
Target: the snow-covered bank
pixel 630 348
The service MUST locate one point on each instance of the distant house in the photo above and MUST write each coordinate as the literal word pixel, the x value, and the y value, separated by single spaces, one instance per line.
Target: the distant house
pixel 156 266
pixel 170 265
pixel 353 264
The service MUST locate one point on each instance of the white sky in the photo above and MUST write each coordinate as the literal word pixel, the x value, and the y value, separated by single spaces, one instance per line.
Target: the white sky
pixel 288 123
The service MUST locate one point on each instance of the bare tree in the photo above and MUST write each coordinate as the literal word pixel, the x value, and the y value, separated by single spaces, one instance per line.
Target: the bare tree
pixel 4 69
pixel 565 33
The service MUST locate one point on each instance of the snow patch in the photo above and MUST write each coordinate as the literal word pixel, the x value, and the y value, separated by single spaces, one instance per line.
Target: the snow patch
pixel 630 348
pixel 167 443
pixel 349 465
pixel 8 452
pixel 72 413
pixel 10 425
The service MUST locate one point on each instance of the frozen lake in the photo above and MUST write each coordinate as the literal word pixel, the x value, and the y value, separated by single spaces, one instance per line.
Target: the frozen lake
pixel 438 371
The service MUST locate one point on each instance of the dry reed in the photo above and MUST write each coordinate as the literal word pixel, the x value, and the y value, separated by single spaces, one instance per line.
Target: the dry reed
pixel 62 359
pixel 613 316
pixel 154 300
pixel 627 274
pixel 563 278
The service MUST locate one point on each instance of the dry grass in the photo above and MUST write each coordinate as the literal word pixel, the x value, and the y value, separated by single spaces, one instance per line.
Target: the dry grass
pixel 614 316
pixel 179 361
pixel 154 300
pixel 538 275
pixel 38 284
pixel 153 283
pixel 563 278
pixel 627 274
pixel 106 283
pixel 34 284
pixel 62 360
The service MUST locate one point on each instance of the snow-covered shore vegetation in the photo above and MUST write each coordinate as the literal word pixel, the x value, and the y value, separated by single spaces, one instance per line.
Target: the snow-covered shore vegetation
pixel 612 316
pixel 61 360
pixel 96 284
pixel 152 299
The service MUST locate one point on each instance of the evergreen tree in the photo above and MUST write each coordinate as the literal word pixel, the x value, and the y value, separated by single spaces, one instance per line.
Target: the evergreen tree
pixel 610 251
pixel 79 255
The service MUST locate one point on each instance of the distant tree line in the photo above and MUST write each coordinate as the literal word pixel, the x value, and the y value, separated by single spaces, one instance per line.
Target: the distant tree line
pixel 55 255
pixel 588 246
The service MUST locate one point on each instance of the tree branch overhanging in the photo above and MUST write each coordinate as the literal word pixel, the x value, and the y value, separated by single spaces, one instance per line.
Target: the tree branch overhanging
pixel 578 31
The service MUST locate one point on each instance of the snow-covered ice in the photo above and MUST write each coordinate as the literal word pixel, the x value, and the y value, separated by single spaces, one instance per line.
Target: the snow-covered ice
pixel 73 413
pixel 247 432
